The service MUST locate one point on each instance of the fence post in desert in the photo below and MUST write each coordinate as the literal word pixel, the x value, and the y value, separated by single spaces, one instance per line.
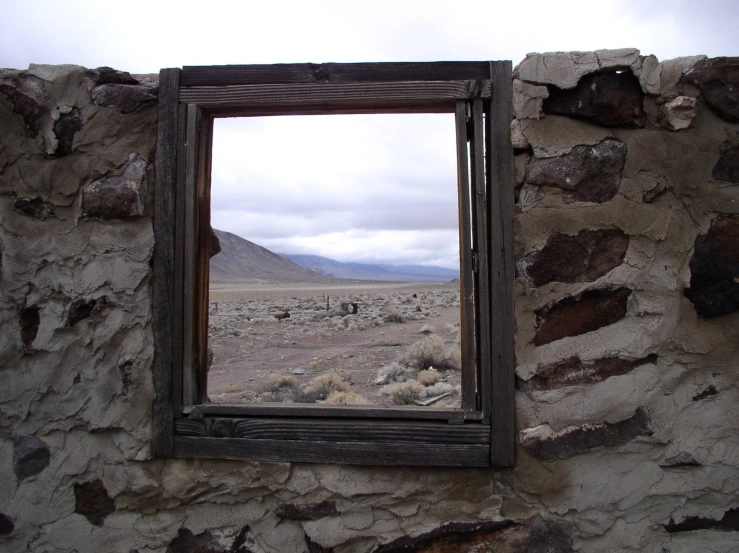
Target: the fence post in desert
pixel 327 302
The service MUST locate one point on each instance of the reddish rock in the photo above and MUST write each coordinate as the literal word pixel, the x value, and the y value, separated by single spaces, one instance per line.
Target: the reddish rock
pixel 575 315
pixel 587 437
pixel 714 269
pixel 93 502
pixel 126 98
pixel 588 173
pixel 584 257
pixel 612 99
pixel 30 456
pixel 117 197
pixel 34 207
pixel 727 167
pixel 718 82
pixel 573 371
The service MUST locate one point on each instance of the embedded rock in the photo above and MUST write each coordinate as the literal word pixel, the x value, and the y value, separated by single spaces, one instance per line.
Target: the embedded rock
pixel 573 371
pixel 682 459
pixel 117 197
pixel 311 511
pixel 562 69
pixel 108 75
pixel 34 207
pixel 575 315
pixel 81 309
pixel 28 95
pixel 206 542
pixel 528 99
pixel 705 393
pixel 6 525
pixel 727 167
pixel 718 82
pixel 612 99
pixel 30 319
pixel 589 173
pixel 126 98
pixel 93 502
pixel 680 112
pixel 30 456
pixel 728 523
pixel 64 129
pixel 545 444
pixel 714 269
pixel 585 257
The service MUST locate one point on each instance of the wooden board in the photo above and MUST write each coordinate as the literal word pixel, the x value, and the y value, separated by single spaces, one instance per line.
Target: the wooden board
pixel 293 73
pixel 163 262
pixel 502 270
pixel 353 453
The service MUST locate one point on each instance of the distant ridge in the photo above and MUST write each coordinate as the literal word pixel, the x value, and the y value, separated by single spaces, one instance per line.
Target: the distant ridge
pixel 368 271
pixel 241 260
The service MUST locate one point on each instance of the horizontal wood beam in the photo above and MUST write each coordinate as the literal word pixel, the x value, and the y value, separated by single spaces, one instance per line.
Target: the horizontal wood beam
pixel 353 453
pixel 293 73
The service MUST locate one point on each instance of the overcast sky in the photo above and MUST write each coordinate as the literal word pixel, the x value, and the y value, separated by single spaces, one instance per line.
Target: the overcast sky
pixel 347 187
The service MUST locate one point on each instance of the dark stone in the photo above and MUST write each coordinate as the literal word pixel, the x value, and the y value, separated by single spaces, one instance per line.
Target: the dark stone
pixel 93 502
pixel 584 438
pixel 613 99
pixel 727 167
pixel 718 82
pixel 585 257
pixel 205 542
pixel 728 523
pixel 126 98
pixel 534 535
pixel 573 371
pixel 108 75
pixel 682 459
pixel 575 315
pixel 6 525
pixel 311 511
pixel 34 207
pixel 28 96
pixel 588 173
pixel 714 269
pixel 80 310
pixel 30 320
pixel 117 197
pixel 214 246
pixel 30 456
pixel 708 392
pixel 314 547
pixel 64 129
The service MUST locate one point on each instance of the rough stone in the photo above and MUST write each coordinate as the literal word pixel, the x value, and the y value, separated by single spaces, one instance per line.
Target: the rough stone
pixel 518 140
pixel 65 128
pixel 28 95
pixel 214 246
pixel 311 511
pixel 528 100
pixel 108 75
pixel 718 82
pixel 612 99
pixel 126 98
pixel 714 269
pixel 93 502
pixel 682 459
pixel 728 523
pixel 34 207
pixel 573 371
pixel 206 542
pixel 590 173
pixel 585 257
pixel 81 309
pixel 707 392
pixel 727 167
pixel 117 197
pixel 561 69
pixel 30 456
pixel 580 314
pixel 6 525
pixel 30 319
pixel 547 445
pixel 680 112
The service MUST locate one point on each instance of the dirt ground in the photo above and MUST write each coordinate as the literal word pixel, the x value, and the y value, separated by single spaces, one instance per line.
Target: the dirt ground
pixel 251 348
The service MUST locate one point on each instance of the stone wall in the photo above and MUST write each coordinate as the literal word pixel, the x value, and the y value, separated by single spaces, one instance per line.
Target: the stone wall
pixel 627 308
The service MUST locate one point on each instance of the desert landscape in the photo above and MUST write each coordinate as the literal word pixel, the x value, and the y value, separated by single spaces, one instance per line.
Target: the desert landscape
pixel 401 347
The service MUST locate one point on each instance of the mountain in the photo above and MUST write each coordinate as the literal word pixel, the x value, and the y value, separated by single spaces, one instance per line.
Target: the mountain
pixel 243 260
pixel 368 271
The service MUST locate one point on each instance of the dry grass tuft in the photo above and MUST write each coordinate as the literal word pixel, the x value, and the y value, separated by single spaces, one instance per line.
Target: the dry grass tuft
pixel 393 317
pixel 428 378
pixel 232 388
pixel 394 372
pixel 346 398
pixel 405 393
pixel 324 385
pixel 431 352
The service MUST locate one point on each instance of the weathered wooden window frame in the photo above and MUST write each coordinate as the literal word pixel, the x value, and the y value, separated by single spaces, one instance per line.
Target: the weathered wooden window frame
pixel 481 432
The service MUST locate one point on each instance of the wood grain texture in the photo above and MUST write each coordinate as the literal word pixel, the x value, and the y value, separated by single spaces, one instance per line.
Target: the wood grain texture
pixel 163 298
pixel 334 430
pixel 466 287
pixel 305 73
pixel 179 264
pixel 500 168
pixel 353 453
pixel 482 283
